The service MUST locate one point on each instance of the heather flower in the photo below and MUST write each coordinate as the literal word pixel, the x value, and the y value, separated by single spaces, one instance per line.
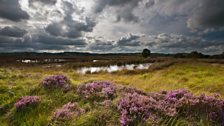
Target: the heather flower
pixel 102 89
pixel 141 106
pixel 57 81
pixel 107 103
pixel 125 119
pixel 135 106
pixel 133 90
pixel 171 111
pixel 211 105
pixel 26 101
pixel 177 94
pixel 63 114
pixel 68 111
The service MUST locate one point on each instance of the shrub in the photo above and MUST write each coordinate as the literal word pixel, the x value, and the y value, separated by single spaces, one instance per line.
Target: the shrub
pixel 135 107
pixel 132 90
pixel 107 103
pixel 26 101
pixel 101 89
pixel 68 111
pixel 56 81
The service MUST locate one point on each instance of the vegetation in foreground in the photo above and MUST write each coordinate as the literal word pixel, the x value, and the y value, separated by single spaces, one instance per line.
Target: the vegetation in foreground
pixel 107 104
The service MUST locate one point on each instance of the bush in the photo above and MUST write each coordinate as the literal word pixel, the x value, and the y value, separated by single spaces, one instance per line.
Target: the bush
pixel 68 111
pixel 135 107
pixel 100 89
pixel 26 101
pixel 56 81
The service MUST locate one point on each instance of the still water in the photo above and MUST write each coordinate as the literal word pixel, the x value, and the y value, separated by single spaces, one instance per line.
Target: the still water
pixel 114 68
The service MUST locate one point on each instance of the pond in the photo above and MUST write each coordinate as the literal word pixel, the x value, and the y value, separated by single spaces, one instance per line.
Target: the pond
pixel 114 68
pixel 28 61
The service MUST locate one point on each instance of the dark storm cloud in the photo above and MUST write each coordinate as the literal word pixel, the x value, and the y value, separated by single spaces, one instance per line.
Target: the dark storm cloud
pixel 8 44
pixel 165 43
pixel 38 42
pixel 199 14
pixel 124 8
pixel 19 44
pixel 179 43
pixel 13 38
pixel 55 29
pixel 129 40
pixel 76 28
pixel 69 27
pixel 130 43
pixel 11 10
pixel 9 41
pixel 12 32
pixel 100 45
pixel 51 40
pixel 209 14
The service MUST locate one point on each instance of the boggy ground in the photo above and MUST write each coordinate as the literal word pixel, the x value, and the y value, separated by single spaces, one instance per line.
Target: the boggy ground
pixel 18 81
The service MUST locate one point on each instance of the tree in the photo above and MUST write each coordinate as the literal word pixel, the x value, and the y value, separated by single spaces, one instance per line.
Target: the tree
pixel 146 53
pixel 195 54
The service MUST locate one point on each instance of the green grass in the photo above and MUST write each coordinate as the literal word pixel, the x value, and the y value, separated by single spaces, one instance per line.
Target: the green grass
pixel 197 77
pixel 16 82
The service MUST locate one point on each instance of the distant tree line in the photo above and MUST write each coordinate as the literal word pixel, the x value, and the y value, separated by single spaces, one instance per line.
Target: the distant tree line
pixel 195 54
pixel 145 53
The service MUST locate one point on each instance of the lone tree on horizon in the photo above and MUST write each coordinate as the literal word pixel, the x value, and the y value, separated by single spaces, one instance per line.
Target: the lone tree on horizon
pixel 146 53
pixel 195 54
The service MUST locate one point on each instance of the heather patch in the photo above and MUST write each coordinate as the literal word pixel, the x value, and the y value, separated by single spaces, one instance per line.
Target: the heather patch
pixel 135 107
pixel 107 103
pixel 98 90
pixel 27 101
pixel 56 81
pixel 132 90
pixel 68 111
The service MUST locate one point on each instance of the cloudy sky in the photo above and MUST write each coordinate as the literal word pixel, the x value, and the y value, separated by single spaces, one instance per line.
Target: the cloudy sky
pixel 103 26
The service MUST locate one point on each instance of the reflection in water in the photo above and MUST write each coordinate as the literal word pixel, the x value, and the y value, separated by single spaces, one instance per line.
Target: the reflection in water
pixel 95 61
pixel 113 68
pixel 42 61
pixel 29 61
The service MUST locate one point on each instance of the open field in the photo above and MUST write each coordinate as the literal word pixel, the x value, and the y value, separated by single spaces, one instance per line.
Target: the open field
pixel 17 80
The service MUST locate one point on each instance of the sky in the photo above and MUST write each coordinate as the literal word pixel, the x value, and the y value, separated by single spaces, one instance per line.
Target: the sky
pixel 112 26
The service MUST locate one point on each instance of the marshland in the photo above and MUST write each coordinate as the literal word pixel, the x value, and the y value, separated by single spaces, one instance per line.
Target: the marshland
pixel 57 84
